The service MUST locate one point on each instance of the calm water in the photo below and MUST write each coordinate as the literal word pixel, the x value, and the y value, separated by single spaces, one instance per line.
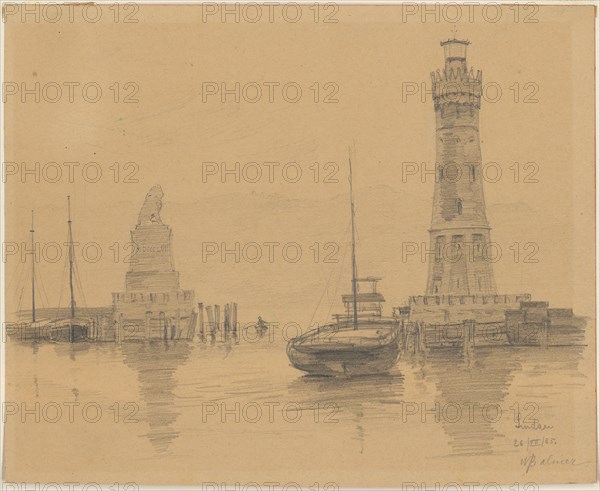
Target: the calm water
pixel 229 411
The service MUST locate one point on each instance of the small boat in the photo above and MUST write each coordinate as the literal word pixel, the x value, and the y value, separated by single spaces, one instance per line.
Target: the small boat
pixel 369 346
pixel 360 342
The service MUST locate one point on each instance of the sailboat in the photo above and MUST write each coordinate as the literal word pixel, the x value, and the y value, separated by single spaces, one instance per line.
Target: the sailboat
pixel 28 331
pixel 359 342
pixel 71 329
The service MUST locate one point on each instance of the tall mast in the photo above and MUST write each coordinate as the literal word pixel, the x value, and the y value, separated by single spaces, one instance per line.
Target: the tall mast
pixel 32 271
pixel 71 259
pixel 354 286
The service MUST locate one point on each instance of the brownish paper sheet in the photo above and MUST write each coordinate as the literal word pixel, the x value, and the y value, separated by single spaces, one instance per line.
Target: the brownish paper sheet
pixel 206 151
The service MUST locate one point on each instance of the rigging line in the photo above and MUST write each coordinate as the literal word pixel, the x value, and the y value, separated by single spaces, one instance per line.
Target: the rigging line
pixel 358 241
pixel 343 261
pixel 20 302
pixel 326 290
pixel 39 295
pixel 78 282
pixel 16 278
pixel 62 284
pixel 337 286
pixel 18 285
pixel 43 289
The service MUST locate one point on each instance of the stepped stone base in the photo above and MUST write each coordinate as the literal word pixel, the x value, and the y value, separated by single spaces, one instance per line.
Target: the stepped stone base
pixel 153 306
pixel 440 309
pixel 497 319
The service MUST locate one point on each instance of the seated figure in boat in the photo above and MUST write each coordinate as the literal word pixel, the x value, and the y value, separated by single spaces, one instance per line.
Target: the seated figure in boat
pixel 261 324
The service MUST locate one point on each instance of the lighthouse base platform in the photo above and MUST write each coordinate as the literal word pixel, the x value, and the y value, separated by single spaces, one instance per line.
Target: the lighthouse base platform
pixel 492 320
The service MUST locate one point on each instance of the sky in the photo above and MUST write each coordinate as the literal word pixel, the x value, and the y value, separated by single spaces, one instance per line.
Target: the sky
pixel 161 118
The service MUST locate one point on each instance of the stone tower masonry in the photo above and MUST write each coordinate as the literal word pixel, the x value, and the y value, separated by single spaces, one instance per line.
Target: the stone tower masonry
pixel 459 233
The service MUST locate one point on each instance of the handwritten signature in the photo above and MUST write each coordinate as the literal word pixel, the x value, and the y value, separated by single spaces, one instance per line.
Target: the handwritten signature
pixel 532 461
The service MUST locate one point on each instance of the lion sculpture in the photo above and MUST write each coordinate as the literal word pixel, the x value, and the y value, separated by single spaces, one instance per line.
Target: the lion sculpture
pixel 150 212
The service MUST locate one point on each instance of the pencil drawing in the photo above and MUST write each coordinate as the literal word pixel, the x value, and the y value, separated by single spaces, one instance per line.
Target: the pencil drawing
pixel 183 355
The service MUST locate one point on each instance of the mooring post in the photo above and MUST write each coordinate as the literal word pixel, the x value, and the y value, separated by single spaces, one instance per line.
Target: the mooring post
pixel 201 320
pixel 420 340
pixel 217 317
pixel 148 325
pixel 211 319
pixel 468 334
pixel 192 325
pixel 544 333
pixel 416 337
pixel 234 317
pixel 119 332
pixel 402 328
pixel 226 318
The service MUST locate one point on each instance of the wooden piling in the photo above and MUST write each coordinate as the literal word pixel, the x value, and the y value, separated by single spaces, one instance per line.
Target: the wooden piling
pixel 217 317
pixel 234 317
pixel 421 327
pixel 416 341
pixel 119 332
pixel 211 319
pixel 468 334
pixel 402 335
pixel 227 318
pixel 201 320
pixel 192 325
pixel 544 333
pixel 148 325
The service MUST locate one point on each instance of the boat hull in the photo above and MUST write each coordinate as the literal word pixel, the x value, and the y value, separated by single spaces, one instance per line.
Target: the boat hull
pixel 345 361
pixel 51 331
pixel 68 333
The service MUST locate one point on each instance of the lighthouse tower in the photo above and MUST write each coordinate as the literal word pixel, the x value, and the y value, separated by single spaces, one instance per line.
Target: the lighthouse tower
pixel 460 259
pixel 460 282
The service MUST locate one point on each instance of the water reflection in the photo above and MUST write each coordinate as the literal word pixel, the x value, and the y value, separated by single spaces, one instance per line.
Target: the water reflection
pixel 466 382
pixel 174 379
pixel 156 364
pixel 72 350
pixel 366 401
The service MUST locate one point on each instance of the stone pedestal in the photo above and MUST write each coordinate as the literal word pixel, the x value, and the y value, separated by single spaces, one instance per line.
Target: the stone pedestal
pixel 153 305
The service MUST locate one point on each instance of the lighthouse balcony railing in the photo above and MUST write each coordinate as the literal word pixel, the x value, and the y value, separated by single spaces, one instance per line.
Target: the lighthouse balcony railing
pixel 435 300
pixel 152 297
